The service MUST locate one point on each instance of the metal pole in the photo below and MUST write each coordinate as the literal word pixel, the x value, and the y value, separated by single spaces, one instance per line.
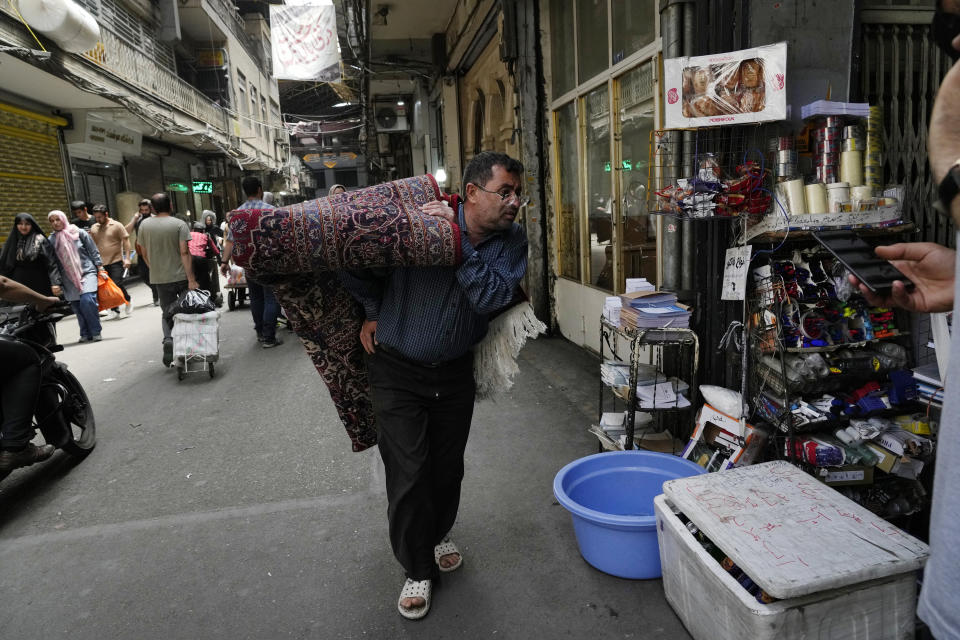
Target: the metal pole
pixel 670 29
pixel 689 248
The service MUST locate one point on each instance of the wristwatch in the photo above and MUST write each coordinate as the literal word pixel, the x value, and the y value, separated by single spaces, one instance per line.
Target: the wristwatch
pixel 949 188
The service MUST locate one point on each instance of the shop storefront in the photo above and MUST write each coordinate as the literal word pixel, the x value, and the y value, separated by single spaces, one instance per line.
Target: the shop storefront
pixel 97 148
pixel 604 104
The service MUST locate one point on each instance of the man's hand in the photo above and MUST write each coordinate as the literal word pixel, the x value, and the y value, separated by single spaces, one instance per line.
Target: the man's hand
pixel 225 268
pixel 192 284
pixel 126 264
pixel 439 209
pixel 368 335
pixel 931 268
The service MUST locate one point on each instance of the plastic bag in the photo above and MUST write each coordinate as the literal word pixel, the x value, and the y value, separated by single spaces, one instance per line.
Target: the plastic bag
pixel 109 295
pixel 196 301
pixel 236 277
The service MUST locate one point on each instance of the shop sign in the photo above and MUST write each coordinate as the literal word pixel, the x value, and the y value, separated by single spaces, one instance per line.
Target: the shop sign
pixel 210 58
pixel 106 134
pixel 177 186
pixel 726 88
pixel 202 186
pixel 305 45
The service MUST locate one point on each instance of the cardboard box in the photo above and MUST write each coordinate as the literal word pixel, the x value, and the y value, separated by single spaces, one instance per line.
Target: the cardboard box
pixel 726 88
pixel 887 457
pixel 720 433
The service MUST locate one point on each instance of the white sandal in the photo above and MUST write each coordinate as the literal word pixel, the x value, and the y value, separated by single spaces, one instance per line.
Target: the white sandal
pixel 446 548
pixel 415 589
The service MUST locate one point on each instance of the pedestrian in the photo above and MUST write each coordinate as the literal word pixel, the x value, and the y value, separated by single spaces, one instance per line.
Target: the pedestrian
pixel 20 378
pixel 144 211
pixel 932 268
pixel 421 325
pixel 163 242
pixel 29 258
pixel 336 189
pixel 81 215
pixel 214 231
pixel 263 304
pixel 210 225
pixel 113 242
pixel 204 254
pixel 79 263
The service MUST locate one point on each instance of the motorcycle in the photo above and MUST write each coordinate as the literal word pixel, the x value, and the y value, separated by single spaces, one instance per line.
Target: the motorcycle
pixel 63 414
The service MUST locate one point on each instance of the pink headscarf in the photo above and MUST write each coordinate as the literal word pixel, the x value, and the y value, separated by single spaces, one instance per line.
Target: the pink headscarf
pixel 65 243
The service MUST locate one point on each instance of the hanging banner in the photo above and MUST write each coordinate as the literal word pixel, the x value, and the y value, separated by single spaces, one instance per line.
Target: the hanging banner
pixel 305 45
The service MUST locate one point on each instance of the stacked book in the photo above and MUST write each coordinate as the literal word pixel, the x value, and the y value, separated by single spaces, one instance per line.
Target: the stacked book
pixel 828 108
pixel 653 310
pixel 929 384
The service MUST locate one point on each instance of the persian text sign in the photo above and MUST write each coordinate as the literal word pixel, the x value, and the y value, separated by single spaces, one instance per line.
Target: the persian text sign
pixel 305 43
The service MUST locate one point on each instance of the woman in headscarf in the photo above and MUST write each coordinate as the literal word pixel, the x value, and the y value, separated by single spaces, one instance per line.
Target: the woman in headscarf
pixel 337 188
pixel 79 264
pixel 28 257
pixel 210 224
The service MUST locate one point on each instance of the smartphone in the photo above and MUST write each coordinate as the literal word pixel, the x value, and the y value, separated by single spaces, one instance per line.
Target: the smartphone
pixel 859 258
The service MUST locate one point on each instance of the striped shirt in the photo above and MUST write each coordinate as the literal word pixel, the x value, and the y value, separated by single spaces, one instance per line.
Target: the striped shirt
pixel 436 314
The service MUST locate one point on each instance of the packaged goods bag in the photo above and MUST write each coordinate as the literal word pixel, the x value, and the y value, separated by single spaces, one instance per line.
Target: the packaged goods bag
pixel 109 295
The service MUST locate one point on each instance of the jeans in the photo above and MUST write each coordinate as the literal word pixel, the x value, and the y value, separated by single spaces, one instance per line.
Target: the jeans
pixel 265 310
pixel 88 314
pixel 168 292
pixel 423 420
pixel 145 275
pixel 19 387
pixel 115 271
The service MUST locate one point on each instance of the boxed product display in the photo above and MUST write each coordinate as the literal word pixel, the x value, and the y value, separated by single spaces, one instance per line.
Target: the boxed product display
pixel 726 88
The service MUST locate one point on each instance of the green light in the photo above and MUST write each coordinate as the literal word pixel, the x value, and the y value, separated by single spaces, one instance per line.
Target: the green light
pixel 177 186
pixel 606 167
pixel 202 186
pixel 628 165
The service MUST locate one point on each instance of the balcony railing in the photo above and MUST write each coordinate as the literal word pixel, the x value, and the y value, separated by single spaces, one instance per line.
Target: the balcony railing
pixel 116 57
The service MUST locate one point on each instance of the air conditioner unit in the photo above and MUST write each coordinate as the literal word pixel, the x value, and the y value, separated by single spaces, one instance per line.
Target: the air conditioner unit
pixel 390 117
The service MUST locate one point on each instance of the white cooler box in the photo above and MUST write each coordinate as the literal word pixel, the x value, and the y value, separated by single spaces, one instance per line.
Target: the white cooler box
pixel 196 335
pixel 840 571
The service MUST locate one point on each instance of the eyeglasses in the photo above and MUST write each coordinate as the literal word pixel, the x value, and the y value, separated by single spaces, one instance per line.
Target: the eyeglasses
pixel 506 194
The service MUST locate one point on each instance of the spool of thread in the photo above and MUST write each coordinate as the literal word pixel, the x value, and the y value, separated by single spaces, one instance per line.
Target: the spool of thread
pixel 838 194
pixel 773 144
pixel 828 146
pixel 873 177
pixel 818 134
pixel 852 131
pixel 826 159
pixel 792 190
pixel 873 159
pixel 833 133
pixel 860 193
pixel 854 144
pixel 786 169
pixel 816 195
pixel 851 167
pixel 827 174
pixel 787 155
pixel 834 121
pixel 785 143
pixel 875 120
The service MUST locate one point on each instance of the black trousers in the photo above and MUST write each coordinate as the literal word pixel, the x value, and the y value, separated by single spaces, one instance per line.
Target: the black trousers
pixel 115 271
pixel 19 386
pixel 423 421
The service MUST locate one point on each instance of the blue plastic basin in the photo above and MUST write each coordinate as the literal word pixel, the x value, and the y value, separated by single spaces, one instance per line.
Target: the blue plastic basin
pixel 610 496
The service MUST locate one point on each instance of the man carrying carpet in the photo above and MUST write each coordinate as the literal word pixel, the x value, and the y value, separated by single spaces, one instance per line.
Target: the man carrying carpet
pixel 420 328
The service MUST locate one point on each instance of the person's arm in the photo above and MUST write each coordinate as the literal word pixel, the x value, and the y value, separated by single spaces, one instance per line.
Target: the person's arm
pixel 16 292
pixel 53 266
pixel 125 249
pixel 91 247
pixel 366 286
pixel 929 266
pixel 490 285
pixel 187 261
pixel 133 222
pixel 227 255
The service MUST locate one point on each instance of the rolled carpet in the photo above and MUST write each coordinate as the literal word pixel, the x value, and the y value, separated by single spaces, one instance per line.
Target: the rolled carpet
pixel 298 249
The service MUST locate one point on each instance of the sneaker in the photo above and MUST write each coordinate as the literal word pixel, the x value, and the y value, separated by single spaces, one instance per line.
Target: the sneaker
pixel 84 339
pixel 114 314
pixel 105 314
pixel 128 309
pixel 156 303
pixel 167 353
pixel 270 344
pixel 10 460
pixel 97 338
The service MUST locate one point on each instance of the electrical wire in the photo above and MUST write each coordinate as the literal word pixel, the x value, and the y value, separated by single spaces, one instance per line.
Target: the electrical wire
pixel 17 11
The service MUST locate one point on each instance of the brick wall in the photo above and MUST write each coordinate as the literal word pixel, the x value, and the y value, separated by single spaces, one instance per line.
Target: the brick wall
pixel 31 173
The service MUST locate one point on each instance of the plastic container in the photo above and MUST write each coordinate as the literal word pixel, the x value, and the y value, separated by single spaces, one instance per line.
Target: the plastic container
pixel 610 498
pixel 713 606
pixel 837 194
